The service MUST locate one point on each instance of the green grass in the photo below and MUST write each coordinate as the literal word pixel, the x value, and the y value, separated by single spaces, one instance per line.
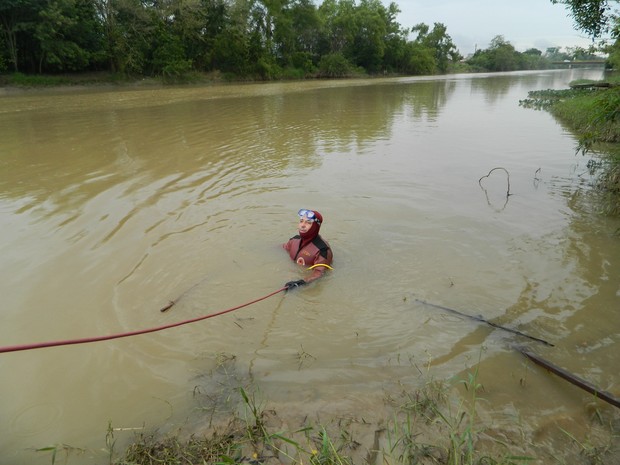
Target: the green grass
pixel 427 428
pixel 36 81
pixel 24 80
pixel 454 427
pixel 593 114
pixel 436 424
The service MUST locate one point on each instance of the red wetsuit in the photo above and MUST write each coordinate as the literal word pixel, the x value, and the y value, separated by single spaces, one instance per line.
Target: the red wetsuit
pixel 316 252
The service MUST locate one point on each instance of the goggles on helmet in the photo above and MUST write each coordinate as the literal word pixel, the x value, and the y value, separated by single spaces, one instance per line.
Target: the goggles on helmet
pixel 309 214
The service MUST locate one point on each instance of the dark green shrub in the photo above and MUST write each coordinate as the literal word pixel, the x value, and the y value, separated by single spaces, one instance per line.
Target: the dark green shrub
pixel 335 65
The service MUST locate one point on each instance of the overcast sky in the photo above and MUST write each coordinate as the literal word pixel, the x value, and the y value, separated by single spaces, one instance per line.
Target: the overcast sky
pixel 473 23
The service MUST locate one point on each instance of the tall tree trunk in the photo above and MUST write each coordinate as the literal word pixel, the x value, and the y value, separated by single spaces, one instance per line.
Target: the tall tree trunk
pixel 11 41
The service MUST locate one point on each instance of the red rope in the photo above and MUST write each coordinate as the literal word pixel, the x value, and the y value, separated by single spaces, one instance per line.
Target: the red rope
pixel 41 345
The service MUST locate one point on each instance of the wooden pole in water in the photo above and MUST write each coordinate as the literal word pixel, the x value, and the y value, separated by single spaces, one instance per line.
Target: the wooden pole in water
pixel 585 385
pixel 482 320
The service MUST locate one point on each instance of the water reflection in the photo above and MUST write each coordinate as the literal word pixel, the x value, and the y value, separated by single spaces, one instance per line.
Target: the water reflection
pixel 68 160
pixel 172 136
pixel 503 83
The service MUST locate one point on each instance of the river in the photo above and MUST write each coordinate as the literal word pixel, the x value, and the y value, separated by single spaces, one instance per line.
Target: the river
pixel 114 201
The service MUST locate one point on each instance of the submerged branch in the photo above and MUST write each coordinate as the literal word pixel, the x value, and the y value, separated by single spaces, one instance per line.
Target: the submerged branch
pixel 508 194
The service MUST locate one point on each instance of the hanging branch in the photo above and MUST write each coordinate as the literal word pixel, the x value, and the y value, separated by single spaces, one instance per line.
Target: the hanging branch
pixel 508 194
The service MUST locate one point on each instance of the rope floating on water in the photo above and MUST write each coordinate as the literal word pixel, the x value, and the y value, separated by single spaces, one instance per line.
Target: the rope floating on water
pixel 67 342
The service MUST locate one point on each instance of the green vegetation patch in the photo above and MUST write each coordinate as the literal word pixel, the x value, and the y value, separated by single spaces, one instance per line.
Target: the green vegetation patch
pixel 437 422
pixel 592 110
pixel 23 80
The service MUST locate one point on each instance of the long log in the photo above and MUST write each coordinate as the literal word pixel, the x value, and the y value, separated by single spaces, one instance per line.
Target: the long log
pixel 482 320
pixel 583 384
pixel 591 84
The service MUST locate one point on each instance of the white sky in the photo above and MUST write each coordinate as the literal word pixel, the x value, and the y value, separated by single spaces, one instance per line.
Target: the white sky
pixel 473 23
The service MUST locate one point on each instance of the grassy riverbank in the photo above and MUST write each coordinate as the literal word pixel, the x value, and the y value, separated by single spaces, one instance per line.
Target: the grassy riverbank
pixel 422 428
pixel 439 422
pixel 19 81
pixel 26 81
pixel 94 79
pixel 592 111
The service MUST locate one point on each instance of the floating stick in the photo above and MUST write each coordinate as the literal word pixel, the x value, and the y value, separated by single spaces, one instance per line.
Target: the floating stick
pixel 583 384
pixel 490 323
pixel 172 302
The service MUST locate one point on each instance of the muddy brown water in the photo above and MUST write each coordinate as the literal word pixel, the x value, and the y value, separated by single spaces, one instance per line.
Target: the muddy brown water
pixel 115 201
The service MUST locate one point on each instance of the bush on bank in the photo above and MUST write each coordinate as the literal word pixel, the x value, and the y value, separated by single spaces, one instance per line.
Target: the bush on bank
pixel 592 110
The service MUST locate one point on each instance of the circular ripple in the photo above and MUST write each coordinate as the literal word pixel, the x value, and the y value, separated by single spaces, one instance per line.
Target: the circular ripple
pixel 35 419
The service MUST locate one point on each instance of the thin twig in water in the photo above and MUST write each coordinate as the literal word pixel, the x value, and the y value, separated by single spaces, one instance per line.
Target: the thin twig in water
pixel 508 194
pixel 171 303
pixel 302 356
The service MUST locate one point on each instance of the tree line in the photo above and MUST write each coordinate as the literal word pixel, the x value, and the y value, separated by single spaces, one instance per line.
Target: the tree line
pixel 256 39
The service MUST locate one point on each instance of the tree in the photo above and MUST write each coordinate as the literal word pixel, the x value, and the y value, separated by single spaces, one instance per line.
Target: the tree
pixel 184 36
pixel 443 49
pixel 420 59
pixel 334 65
pixel 169 59
pixel 257 38
pixel 231 45
pixel 18 19
pixel 580 53
pixel 338 18
pixel 556 54
pixel 502 56
pixel 395 57
pixel 309 34
pixel 533 52
pixel 216 21
pixel 505 57
pixel 128 29
pixel 533 58
pixel 134 27
pixel 68 36
pixel 595 17
pixel 367 46
pixel 614 54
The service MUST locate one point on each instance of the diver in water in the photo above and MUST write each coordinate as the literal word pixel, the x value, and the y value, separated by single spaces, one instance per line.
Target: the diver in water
pixel 308 248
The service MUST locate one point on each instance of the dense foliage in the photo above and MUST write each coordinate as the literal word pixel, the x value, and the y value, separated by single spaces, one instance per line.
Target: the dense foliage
pixel 502 56
pixel 257 39
pixel 594 17
pixel 600 20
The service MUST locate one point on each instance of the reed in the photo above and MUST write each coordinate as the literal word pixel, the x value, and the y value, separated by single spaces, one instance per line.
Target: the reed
pixel 595 454
pixel 453 424
pixel 593 113
pixel 437 423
